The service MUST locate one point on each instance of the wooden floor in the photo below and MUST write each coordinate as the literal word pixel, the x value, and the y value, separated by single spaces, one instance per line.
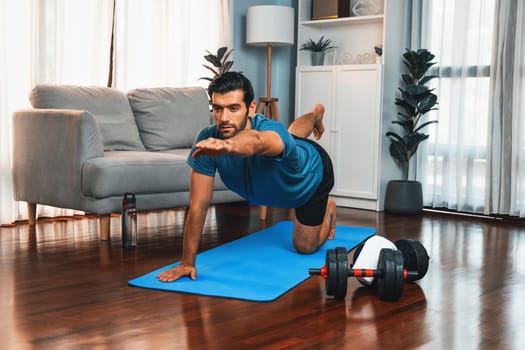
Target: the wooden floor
pixel 62 288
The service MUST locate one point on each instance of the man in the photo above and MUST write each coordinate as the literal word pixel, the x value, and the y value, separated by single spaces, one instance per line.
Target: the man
pixel 261 161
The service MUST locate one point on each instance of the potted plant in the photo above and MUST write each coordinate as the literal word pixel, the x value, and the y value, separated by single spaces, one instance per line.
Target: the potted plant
pixel 318 49
pixel 219 61
pixel 416 99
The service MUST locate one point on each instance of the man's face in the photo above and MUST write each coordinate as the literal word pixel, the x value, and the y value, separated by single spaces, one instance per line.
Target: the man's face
pixel 230 112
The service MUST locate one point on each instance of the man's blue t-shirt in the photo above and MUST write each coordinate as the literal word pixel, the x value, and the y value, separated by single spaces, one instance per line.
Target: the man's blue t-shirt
pixel 285 181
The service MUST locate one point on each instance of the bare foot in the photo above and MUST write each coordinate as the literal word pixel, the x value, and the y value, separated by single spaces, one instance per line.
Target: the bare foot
pixel 331 216
pixel 318 130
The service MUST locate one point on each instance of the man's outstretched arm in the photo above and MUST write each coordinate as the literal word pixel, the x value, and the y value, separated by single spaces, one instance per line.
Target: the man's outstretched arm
pixel 245 144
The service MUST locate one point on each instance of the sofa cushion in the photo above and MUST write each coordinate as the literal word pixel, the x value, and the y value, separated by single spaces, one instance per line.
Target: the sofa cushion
pixel 169 117
pixel 138 172
pixel 109 107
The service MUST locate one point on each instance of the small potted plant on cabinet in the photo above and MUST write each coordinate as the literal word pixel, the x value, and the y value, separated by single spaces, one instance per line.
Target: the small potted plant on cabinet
pixel 318 49
pixel 405 196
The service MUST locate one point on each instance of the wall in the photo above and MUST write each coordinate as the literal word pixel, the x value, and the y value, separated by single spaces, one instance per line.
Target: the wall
pixel 251 60
pixel 397 38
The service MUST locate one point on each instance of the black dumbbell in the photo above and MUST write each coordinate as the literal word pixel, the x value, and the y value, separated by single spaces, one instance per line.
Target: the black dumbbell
pixel 415 257
pixel 390 275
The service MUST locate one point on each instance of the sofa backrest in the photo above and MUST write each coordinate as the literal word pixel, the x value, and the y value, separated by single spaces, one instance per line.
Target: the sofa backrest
pixel 109 107
pixel 168 117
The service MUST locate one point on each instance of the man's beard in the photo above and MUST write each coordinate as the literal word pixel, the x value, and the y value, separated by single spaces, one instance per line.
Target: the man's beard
pixel 232 129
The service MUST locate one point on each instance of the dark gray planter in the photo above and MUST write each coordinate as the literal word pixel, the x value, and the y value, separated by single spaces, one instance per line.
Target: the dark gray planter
pixel 317 58
pixel 404 197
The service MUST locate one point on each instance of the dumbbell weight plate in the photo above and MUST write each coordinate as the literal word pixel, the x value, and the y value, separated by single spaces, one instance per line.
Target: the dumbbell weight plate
pixel 390 285
pixel 337 279
pixel 342 273
pixel 331 279
pixel 415 256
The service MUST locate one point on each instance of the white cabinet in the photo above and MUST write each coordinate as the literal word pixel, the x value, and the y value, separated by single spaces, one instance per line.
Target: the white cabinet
pixel 317 85
pixel 352 96
pixel 357 123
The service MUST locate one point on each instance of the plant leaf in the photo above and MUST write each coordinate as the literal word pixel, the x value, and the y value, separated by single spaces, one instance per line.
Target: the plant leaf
pixel 425 124
pixel 227 66
pixel 214 71
pixel 213 60
pixel 426 79
pixel 410 109
pixel 408 101
pixel 398 151
pixel 427 103
pixel 408 124
pixel 407 79
pixel 394 135
pixel 220 52
pixel 225 58
pixel 413 141
pixel 415 90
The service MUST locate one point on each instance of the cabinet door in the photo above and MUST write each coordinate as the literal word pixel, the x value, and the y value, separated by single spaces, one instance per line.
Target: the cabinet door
pixel 317 85
pixel 357 129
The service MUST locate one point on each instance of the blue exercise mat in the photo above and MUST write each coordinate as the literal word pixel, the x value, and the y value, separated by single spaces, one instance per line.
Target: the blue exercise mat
pixel 259 267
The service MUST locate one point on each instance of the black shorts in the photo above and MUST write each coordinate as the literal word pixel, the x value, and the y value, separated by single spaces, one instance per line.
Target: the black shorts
pixel 312 213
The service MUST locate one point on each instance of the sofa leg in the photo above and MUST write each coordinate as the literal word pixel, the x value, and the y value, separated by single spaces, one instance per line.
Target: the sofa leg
pixel 263 211
pixel 104 223
pixel 31 213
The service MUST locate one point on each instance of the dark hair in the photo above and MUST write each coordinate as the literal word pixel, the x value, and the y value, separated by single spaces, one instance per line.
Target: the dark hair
pixel 231 81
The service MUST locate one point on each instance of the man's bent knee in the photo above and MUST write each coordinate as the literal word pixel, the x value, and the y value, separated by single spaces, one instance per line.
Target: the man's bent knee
pixel 303 246
pixel 305 238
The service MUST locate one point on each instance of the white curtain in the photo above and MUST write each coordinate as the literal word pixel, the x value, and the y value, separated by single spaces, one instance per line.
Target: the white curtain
pixel 506 156
pixel 474 160
pixel 53 41
pixel 68 42
pixel 452 164
pixel 162 42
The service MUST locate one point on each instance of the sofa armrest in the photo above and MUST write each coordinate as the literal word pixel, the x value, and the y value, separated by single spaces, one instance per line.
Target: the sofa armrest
pixel 49 148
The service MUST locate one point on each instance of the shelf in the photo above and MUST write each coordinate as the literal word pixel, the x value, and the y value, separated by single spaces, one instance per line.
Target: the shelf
pixel 343 21
pixel 363 66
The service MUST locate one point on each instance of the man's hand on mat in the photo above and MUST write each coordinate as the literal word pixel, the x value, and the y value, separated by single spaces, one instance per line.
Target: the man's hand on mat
pixel 177 272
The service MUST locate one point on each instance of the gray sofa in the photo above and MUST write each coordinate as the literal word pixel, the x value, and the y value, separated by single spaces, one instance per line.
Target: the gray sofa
pixel 84 147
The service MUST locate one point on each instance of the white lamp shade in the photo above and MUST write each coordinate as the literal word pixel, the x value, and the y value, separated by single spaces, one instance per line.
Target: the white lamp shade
pixel 269 25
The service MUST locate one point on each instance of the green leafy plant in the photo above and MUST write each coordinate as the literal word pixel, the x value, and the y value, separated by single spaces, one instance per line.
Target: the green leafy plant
pixel 415 101
pixel 318 46
pixel 219 62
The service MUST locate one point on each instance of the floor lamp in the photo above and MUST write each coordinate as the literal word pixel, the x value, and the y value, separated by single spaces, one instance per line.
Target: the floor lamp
pixel 269 26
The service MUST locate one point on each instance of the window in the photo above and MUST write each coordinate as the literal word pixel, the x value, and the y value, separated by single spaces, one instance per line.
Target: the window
pixel 454 159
